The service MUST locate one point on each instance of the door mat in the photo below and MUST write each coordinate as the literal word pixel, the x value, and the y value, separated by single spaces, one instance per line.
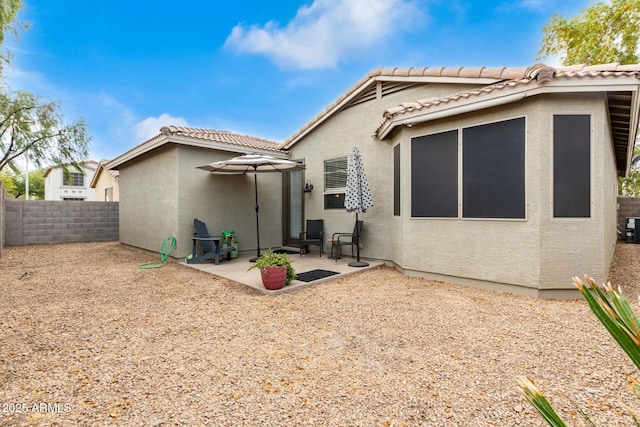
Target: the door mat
pixel 310 276
pixel 285 251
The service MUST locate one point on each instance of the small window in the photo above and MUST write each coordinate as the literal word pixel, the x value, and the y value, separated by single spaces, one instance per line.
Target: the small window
pixel 75 179
pixel 335 183
pixel 396 180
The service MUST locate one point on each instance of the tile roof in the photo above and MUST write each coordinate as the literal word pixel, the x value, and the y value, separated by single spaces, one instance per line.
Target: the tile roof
pixel 536 74
pixel 483 75
pixel 491 79
pixel 208 138
pixel 221 136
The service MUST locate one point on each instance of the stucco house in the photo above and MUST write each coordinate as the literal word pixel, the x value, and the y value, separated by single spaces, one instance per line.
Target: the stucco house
pixel 504 178
pixel 75 186
pixel 105 183
pixel 161 191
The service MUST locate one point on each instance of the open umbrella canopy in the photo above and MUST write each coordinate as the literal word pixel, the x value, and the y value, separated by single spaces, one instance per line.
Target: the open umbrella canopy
pixel 252 163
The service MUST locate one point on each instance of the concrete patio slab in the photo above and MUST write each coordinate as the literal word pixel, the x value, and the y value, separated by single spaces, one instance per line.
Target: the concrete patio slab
pixel 236 270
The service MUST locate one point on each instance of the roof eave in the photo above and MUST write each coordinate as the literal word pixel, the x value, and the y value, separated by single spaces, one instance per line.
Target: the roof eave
pixel 633 127
pixel 94 180
pixel 160 140
pixel 505 96
pixel 365 84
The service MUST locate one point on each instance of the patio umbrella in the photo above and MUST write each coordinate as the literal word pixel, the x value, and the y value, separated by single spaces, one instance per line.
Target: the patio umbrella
pixel 253 163
pixel 357 197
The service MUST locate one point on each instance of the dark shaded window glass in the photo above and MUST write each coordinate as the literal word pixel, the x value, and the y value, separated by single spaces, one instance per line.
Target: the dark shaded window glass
pixel 493 170
pixel 571 166
pixel 434 175
pixel 396 180
pixel 334 201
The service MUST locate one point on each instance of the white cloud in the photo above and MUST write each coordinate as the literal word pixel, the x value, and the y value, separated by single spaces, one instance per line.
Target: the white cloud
pixel 532 5
pixel 322 34
pixel 150 126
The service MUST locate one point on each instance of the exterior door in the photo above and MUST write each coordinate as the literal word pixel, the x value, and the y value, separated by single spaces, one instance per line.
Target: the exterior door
pixel 292 207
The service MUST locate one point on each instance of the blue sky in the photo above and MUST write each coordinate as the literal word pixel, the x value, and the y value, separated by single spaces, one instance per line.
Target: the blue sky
pixel 252 67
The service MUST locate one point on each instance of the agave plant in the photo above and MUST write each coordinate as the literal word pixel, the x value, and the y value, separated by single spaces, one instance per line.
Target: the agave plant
pixel 614 311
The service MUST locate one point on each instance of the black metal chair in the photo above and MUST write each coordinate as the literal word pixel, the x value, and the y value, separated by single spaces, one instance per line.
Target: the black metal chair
pixel 313 236
pixel 338 240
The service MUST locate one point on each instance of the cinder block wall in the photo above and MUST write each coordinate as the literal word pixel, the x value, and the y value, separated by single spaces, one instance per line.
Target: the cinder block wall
pixel 627 207
pixel 30 222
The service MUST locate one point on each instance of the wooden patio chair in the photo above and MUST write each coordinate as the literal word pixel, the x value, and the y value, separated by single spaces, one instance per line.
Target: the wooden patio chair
pixel 211 246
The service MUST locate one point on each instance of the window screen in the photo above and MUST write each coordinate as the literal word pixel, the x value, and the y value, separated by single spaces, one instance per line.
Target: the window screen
pixel 396 180
pixel 571 166
pixel 434 175
pixel 493 170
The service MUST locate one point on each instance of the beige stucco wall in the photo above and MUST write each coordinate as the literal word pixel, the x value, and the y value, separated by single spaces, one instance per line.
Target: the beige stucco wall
pixel 227 202
pixel 536 256
pixel 162 192
pixel 106 180
pixel 148 199
pixel 354 127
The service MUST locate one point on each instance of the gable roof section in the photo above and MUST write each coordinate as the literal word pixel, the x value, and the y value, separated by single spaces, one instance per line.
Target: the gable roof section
pixel 204 138
pixel 396 79
pixel 102 169
pixel 621 83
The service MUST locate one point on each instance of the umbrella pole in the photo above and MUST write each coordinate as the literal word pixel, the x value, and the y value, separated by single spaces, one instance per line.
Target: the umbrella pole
pixel 358 263
pixel 255 181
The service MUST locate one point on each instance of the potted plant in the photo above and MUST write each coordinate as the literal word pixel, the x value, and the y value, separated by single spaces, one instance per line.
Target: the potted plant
pixel 275 268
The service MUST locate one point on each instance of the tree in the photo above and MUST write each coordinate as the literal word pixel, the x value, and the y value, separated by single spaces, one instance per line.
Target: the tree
pixel 15 184
pixel 31 127
pixel 34 128
pixel 602 33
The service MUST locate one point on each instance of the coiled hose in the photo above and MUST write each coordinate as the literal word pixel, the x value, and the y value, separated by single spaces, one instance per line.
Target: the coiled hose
pixel 168 245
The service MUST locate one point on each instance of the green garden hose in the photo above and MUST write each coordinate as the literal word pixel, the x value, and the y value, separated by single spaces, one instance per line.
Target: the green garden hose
pixel 168 246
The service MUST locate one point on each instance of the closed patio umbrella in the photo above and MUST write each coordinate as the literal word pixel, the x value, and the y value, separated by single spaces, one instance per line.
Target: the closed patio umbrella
pixel 357 197
pixel 254 163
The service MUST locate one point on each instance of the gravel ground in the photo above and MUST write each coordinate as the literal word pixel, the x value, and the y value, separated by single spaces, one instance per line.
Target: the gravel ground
pixel 87 338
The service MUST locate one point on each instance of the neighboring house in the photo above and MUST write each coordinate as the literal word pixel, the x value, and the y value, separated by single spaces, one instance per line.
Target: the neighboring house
pixel 161 191
pixel 75 186
pixel 504 178
pixel 105 184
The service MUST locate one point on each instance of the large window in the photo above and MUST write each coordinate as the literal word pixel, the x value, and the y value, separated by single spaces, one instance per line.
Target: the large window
pixel 572 166
pixel 335 183
pixel 493 170
pixel 490 183
pixel 434 175
pixel 75 179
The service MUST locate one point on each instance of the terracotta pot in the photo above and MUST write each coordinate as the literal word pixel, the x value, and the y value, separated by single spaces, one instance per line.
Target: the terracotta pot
pixel 273 277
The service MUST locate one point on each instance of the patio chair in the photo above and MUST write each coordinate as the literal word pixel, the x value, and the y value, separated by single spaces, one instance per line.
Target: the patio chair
pixel 211 246
pixel 338 240
pixel 313 236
